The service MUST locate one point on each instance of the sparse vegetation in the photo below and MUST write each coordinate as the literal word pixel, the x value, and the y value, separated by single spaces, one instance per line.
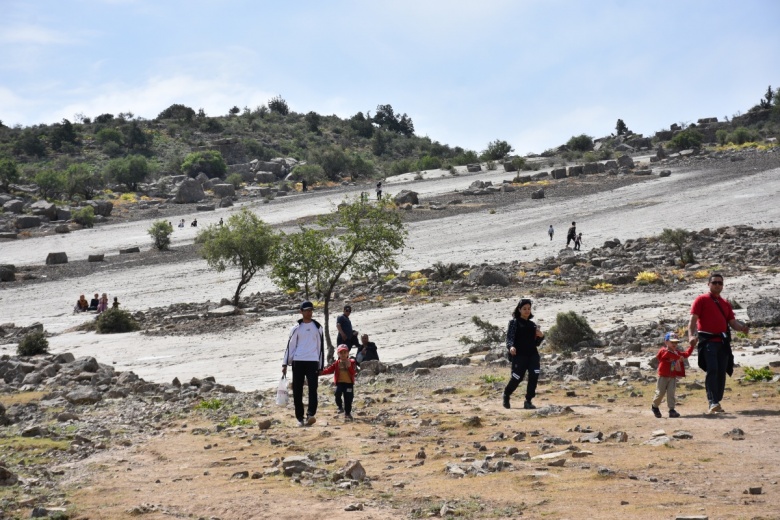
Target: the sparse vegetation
pixel 33 344
pixel 758 374
pixel 569 330
pixel 115 321
pixel 161 231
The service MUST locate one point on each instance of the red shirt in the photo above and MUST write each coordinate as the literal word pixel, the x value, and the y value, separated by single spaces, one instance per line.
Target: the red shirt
pixel 710 318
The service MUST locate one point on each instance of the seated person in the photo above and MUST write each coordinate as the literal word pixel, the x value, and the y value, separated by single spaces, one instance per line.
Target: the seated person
pixel 81 305
pixel 366 350
pixel 103 305
pixel 93 303
pixel 115 305
pixel 194 223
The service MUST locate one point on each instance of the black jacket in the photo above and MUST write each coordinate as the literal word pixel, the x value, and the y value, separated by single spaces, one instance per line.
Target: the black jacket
pixel 521 334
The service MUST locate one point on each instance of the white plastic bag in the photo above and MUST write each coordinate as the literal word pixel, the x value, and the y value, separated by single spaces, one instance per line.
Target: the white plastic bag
pixel 282 395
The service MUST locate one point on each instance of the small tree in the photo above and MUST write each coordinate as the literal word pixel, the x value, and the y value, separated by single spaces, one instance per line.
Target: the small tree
pixel 81 180
pixel 580 143
pixel 245 242
pixel 570 329
pixel 496 150
pixel 279 106
pixel 235 179
pixel 8 172
pixel 766 102
pixel 115 321
pixel 313 120
pixel 311 173
pixel 33 343
pixel 161 231
pixel 689 138
pixel 358 239
pixel 84 216
pixel 621 127
pixel 209 162
pixel 50 183
pixel 679 239
pixel 128 171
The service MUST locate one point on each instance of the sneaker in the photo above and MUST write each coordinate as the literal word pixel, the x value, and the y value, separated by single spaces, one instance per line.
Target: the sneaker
pixel 506 402
pixel 657 412
pixel 340 410
pixel 310 420
pixel 672 413
pixel 348 418
pixel 528 405
pixel 717 408
pixel 300 424
pixel 713 408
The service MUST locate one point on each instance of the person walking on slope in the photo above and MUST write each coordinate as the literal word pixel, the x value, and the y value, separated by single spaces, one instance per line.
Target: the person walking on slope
pixel 711 317
pixel 571 234
pixel 344 370
pixel 671 365
pixel 578 242
pixel 306 353
pixel 551 232
pixel 523 337
pixel 379 190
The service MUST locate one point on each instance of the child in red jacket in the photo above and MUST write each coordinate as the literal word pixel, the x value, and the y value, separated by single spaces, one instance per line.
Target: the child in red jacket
pixel 671 365
pixel 344 370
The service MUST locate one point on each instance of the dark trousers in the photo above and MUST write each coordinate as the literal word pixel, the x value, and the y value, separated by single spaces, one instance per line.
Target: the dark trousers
pixel 347 390
pixel 521 365
pixel 568 240
pixel 308 370
pixel 716 356
pixel 351 341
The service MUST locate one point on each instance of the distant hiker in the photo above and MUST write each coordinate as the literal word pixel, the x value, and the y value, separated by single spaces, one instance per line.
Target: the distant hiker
pixel 304 186
pixel 306 353
pixel 671 365
pixel 115 305
pixel 523 336
pixel 346 334
pixel 367 350
pixel 551 232
pixel 194 223
pixel 344 370
pixel 220 222
pixel 181 223
pixel 578 242
pixel 571 234
pixel 711 317
pixel 93 303
pixel 379 190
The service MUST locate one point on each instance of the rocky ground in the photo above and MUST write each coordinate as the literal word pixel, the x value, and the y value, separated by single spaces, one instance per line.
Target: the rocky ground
pixel 83 436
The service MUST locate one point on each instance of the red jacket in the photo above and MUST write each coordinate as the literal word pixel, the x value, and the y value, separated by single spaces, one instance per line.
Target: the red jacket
pixel 333 368
pixel 671 362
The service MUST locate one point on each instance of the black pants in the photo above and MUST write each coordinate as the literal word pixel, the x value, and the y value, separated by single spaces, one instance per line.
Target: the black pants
pixel 308 370
pixel 347 390
pixel 351 341
pixel 715 383
pixel 569 239
pixel 521 365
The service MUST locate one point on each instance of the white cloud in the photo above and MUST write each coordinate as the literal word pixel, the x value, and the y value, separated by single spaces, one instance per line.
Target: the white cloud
pixel 35 35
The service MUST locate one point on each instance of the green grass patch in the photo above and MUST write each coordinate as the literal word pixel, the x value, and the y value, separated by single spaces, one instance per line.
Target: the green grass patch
pixel 490 379
pixel 209 404
pixel 758 374
pixel 31 451
pixel 235 420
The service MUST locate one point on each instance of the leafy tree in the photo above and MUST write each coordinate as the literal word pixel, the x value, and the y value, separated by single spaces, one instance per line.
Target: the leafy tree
pixel 136 138
pixel 357 239
pixel 621 127
pixel 313 120
pixel 379 143
pixel 62 133
pixel 233 111
pixel 743 135
pixel 245 242
pixel 465 157
pixel 209 162
pixel 102 119
pixel 766 102
pixel 497 150
pixel 362 126
pixel 161 231
pixel 679 239
pixel 386 118
pixel 179 112
pixel 580 143
pixel 279 106
pixel 109 135
pixel 406 126
pixel 235 179
pixel 333 161
pixel 84 216
pixel 9 172
pixel 689 138
pixel 128 171
pixel 30 143
pixel 80 179
pixel 311 173
pixel 50 183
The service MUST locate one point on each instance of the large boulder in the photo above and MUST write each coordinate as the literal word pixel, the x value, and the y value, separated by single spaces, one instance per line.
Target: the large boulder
pixel 297 464
pixel 538 194
pixel 765 312
pixel 265 177
pixel 473 168
pixel 63 214
pixel 13 206
pixel 590 168
pixel 84 395
pixel 189 191
pixel 102 207
pixel 558 173
pixel 27 222
pixel 488 276
pixel 224 190
pixel 406 196
pixel 625 161
pixel 593 367
pixel 44 208
pixel 7 273
pixel 574 171
pixel 56 258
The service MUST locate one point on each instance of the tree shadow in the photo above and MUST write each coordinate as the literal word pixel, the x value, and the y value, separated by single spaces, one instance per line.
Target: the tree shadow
pixel 759 413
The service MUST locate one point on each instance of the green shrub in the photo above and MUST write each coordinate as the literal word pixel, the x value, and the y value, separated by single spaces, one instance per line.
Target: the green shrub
pixel 758 374
pixel 209 162
pixel 109 135
pixel 84 216
pixel 115 321
pixel 496 150
pixel 209 404
pixel 570 329
pixel 161 231
pixel 235 179
pixel 690 138
pixel 311 173
pixel 743 135
pixel 446 271
pixel 491 334
pixel 580 143
pixel 428 163
pixel 33 343
pixel 590 157
pixel 279 106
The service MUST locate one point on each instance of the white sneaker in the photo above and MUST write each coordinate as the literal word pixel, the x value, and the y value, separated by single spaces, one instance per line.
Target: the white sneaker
pixel 300 424
pixel 718 408
pixel 713 408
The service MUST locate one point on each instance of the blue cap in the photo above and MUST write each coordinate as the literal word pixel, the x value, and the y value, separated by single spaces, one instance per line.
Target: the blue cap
pixel 671 336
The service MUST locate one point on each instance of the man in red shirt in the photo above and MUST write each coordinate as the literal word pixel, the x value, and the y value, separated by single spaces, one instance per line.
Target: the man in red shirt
pixel 711 317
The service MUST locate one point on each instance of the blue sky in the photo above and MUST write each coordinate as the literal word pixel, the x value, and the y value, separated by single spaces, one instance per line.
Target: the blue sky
pixel 532 72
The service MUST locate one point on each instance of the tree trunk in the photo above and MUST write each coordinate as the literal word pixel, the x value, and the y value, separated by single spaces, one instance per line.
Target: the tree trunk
pixel 325 316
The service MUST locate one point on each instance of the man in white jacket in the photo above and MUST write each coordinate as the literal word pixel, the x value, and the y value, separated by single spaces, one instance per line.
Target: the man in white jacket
pixel 306 353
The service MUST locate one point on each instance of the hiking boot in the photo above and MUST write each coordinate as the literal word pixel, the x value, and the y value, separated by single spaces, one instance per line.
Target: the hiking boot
pixel 656 412
pixel 528 405
pixel 299 424
pixel 310 420
pixel 348 418
pixel 673 413
pixel 340 410
pixel 506 402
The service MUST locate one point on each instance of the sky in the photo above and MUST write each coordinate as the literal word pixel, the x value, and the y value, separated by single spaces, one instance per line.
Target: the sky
pixel 530 72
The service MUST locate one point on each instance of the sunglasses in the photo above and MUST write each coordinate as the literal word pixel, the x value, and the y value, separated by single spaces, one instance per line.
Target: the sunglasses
pixel 714 282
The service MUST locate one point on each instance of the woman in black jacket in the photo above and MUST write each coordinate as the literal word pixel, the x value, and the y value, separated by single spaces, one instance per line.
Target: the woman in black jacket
pixel 522 338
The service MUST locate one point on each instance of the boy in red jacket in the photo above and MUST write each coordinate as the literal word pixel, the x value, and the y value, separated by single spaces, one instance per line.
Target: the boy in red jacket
pixel 344 371
pixel 670 367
